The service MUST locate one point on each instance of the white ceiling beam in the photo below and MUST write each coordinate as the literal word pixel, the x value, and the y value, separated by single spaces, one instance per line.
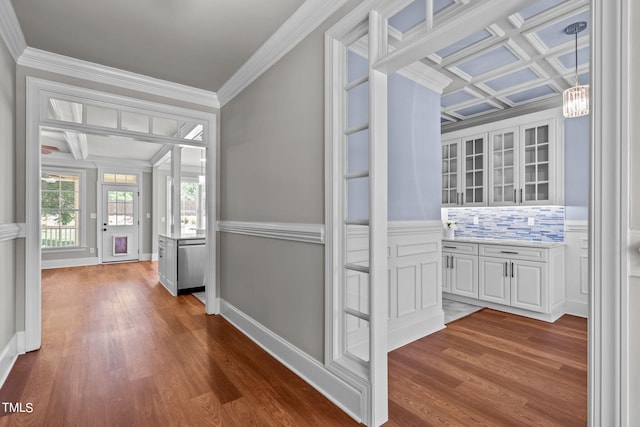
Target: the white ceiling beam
pixel 77 143
pixel 471 19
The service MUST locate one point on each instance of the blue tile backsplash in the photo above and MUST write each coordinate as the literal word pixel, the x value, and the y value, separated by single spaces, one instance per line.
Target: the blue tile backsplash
pixel 509 223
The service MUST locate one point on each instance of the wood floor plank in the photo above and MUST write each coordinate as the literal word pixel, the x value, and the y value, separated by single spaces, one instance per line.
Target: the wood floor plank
pixel 117 349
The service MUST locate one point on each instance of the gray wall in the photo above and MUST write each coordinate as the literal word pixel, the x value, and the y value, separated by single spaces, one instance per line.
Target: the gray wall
pixel 272 169
pixel 7 195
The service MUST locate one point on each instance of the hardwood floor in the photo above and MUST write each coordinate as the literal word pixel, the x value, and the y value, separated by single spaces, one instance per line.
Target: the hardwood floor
pixel 495 369
pixel 119 350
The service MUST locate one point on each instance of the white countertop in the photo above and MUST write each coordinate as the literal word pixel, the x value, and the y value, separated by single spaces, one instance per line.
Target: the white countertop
pixel 180 236
pixel 529 243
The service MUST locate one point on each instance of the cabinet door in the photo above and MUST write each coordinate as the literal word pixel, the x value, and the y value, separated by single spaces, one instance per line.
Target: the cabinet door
pixel 536 163
pixel 494 280
pixel 528 285
pixel 450 172
pixel 446 273
pixel 474 170
pixel 464 275
pixel 171 262
pixel 503 167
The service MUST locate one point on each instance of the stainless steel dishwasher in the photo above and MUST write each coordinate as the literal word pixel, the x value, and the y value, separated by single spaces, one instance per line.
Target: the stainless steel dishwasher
pixel 192 258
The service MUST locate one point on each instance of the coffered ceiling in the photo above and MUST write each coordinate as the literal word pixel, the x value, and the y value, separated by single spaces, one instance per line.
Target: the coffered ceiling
pixel 522 60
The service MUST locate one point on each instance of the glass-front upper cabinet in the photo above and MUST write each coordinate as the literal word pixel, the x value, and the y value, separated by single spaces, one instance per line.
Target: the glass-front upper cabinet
pixel 450 160
pixel 522 165
pixel 474 170
pixel 515 161
pixel 463 171
pixel 504 167
pixel 536 177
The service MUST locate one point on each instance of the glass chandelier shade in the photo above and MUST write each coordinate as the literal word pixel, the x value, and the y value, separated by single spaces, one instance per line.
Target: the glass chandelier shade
pixel 575 100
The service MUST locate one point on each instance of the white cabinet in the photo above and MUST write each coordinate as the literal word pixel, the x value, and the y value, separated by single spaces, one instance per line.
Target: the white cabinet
pixel 528 278
pixel 510 162
pixel 167 270
pixel 494 283
pixel 523 279
pixel 512 282
pixel 464 165
pixel 460 263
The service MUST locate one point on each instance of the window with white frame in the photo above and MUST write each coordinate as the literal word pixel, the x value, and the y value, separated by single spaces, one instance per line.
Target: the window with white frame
pixel 61 209
pixel 192 205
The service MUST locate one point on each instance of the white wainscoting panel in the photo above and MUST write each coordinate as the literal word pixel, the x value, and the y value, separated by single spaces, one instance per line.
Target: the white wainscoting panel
pixel 576 275
pixel 415 302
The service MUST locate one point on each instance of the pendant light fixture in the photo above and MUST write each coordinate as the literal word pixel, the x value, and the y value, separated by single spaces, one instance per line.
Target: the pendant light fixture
pixel 575 100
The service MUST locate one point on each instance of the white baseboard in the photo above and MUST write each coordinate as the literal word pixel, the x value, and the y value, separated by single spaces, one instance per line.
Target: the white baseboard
pixel 513 310
pixel 70 262
pixel 22 342
pixel 8 358
pixel 317 375
pixel 145 257
pixel 576 309
pixel 154 256
pixel 428 322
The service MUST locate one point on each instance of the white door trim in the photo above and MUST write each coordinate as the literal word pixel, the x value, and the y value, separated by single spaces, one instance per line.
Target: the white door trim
pixel 609 214
pixel 135 188
pixel 33 261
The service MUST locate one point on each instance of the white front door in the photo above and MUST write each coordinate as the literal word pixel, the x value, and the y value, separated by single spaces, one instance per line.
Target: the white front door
pixel 120 223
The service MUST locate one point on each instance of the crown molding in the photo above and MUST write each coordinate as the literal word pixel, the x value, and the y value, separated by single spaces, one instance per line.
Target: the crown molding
pixel 60 64
pixel 10 30
pixel 426 76
pixel 307 18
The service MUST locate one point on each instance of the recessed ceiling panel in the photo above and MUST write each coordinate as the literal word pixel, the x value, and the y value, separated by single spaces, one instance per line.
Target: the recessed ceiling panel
pixel 554 35
pixel 456 98
pixel 485 107
pixel 440 5
pixel 539 7
pixel 531 94
pixel 583 79
pixel 512 79
pixel 410 16
pixel 568 60
pixel 488 61
pixel 464 43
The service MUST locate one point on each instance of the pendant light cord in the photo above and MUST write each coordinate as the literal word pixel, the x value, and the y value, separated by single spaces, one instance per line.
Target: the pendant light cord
pixel 576 59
